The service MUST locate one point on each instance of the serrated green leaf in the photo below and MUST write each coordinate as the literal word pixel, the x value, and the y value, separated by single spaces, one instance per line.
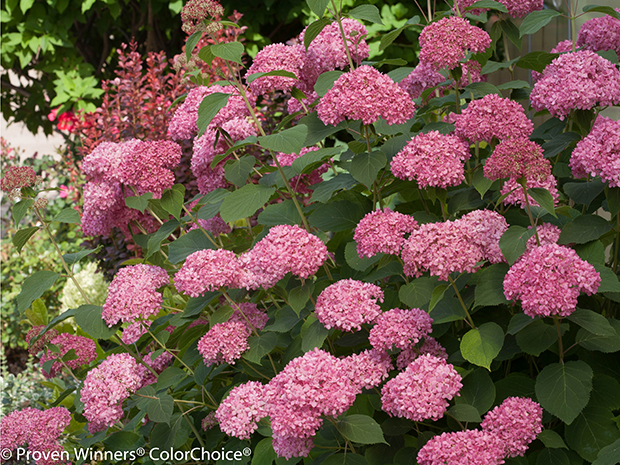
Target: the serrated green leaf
pixel 537 61
pixel 314 29
pixel 33 287
pixel 584 192
pixel 89 319
pixel 487 4
pixel 609 279
pixel 244 202
pixel 280 213
pixel 584 228
pixel 355 261
pixel 481 183
pixel 593 322
pixel 536 20
pixel 602 9
pixel 324 190
pixel 490 288
pixel 238 170
pixel 605 344
pixel 19 209
pixel 314 335
pixel 288 141
pixel 417 294
pixel 361 429
pixel 437 295
pixel 326 81
pixel 285 319
pixel 209 108
pixel 298 297
pixel 609 455
pixel 368 13
pixel 513 242
pixel 68 215
pixel 481 345
pixel 464 412
pixel 260 346
pixel 187 244
pixel 73 258
pixel 164 231
pixel 552 457
pixel 537 337
pixel 518 322
pixel 336 216
pixel 390 37
pixel 139 203
pixel 191 43
pixel 305 163
pixel 205 54
pixel 551 439
pixel 172 200
pixel 318 6
pixel 230 51
pixel 365 166
pixel 160 410
pixel 21 237
pixel 592 430
pixel 263 453
pixel 478 390
pixel 544 198
pixel 559 143
pixel 276 72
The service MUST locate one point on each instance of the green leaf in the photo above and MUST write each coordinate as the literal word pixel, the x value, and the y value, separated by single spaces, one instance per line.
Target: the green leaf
pixel 447 310
pixel 437 295
pixel 324 190
pixel 244 202
pixel 89 319
pixel 365 166
pixel 602 9
pixel 33 287
pixel 336 216
pixel 480 89
pixel 584 228
pixel 317 131
pixel 172 200
pixel 355 261
pixel 171 376
pixel 221 315
pixel 298 298
pixel 609 279
pixel 537 61
pixel 122 441
pixel 205 54
pixel 348 458
pixel 387 39
pixel 551 439
pixel 417 294
pixel 537 337
pixel 237 172
pixel 592 430
pixel 280 213
pixel 490 287
pixel 487 4
pixel 191 43
pixel 481 183
pixel 478 390
pixel 209 108
pixel 605 344
pixel 481 345
pixel 516 84
pixel 288 141
pixel 314 29
pixel 276 72
pixel 314 335
pixel 260 346
pixel 187 244
pixel 160 410
pixel 584 192
pixel 552 457
pixel 68 215
pixel 285 319
pixel 25 5
pixel 361 429
pixel 536 20
pixel 21 237
pixel 318 6
pixel 559 143
pixel 593 322
pixel 544 198
pixel 230 51
pixel 263 453
pixel 139 203
pixel 326 81
pixel 20 208
pixel 305 163
pixel 212 203
pixel 37 314
pixel 609 455
pixel 162 233
pixel 513 242
pixel 564 389
pixel 518 322
pixel 464 412
pixel 368 13
pixel 73 258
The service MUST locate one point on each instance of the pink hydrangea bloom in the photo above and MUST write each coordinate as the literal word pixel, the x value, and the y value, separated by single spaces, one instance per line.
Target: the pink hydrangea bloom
pixel 462 4
pixel 521 8
pixel 215 226
pixel 208 422
pixel 547 234
pixel 135 330
pixel 517 422
pixel 17 177
pixel 577 80
pixel 561 47
pixel 347 304
pixel 106 387
pixel 409 354
pixel 382 231
pixel 224 343
pixel 40 429
pixel 40 343
pixel 423 77
pixel 548 279
pixel 422 391
pixel 469 447
pixel 284 249
pixel 365 94
pixel 158 364
pixel 446 42
pixel 400 328
pixel 85 350
pixel 208 270
pixel 290 446
pixel 250 315
pixel 517 197
pixel 197 13
pixel 598 154
pixel 368 369
pixel 487 228
pixel 516 158
pixel 301 182
pixel 492 116
pixel 241 410
pixel 600 34
pixel 133 294
pixel 273 57
pixel 432 159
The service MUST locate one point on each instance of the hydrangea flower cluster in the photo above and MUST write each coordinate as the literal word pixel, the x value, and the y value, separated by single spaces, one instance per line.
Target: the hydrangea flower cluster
pixel 92 283
pixel 241 410
pixel 208 270
pixel 400 328
pixel 382 231
pixel 40 343
pixel 469 447
pixel 547 234
pixel 432 159
pixel 135 331
pixel 598 154
pixel 158 364
pixel 492 116
pixel 40 429
pixel 85 350
pixel 516 8
pixel 196 13
pixel 423 77
pixel 17 177
pixel 133 294
pixel 430 347
pixel 215 226
pixel 600 34
pixel 368 369
pixel 289 58
pixel 548 279
pixel 577 80
pixel 365 94
pixel 487 228
pixel 249 314
pixel 302 182
pixel 422 391
pixel 106 387
pixel 446 42
pixel 561 47
pixel 347 304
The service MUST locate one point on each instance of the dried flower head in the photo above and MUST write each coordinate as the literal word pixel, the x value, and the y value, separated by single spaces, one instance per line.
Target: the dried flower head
pixel 201 15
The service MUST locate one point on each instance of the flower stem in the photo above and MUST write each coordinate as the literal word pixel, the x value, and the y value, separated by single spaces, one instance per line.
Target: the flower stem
pixel 458 294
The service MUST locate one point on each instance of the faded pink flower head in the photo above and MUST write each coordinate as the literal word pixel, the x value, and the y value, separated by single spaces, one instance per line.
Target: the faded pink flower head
pixel 17 177
pixel 598 154
pixel 40 343
pixel 515 195
pixel 548 279
pixel 215 226
pixel 409 354
pixel 291 446
pixel 250 315
pixel 274 57
pixel 239 413
pixel 423 77
pixel 516 158
pixel 347 304
pixel 302 182
pixel 208 270
pixel 422 391
pixel 446 42
pixel 365 94
pixel 547 234
pixel 400 328
pixel 469 447
pixel 600 34
pixel 382 231
pixel 432 159
pixel 85 350
pixel 197 15
pixel 224 343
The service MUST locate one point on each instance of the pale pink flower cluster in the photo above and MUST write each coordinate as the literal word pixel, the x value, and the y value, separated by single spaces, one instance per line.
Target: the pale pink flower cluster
pixel 196 13
pixel 289 58
pixel 598 154
pixel 208 270
pixel 446 42
pixel 302 182
pixel 577 80
pixel 486 228
pixel 600 34
pixel 424 76
pixel 516 422
pixel 547 234
pixel 422 391
pixel 432 159
pixel 106 387
pixel 347 304
pixel 40 429
pixel 516 8
pixel 133 294
pixel 85 350
pixel 382 231
pixel 400 328
pixel 548 279
pixel 469 447
pixel 365 94
pixel 489 117
pixel 241 410
pixel 249 314
pixel 285 249
pixel 135 330
pixel 368 369
pixel 409 354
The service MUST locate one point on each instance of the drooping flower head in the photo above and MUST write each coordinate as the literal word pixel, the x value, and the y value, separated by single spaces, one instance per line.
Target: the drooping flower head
pixel 201 15
pixel 40 343
pixel 422 391
pixel 432 159
pixel 382 231
pixel 239 413
pixel 365 94
pixel 208 270
pixel 400 328
pixel 273 57
pixel 469 447
pixel 446 42
pixel 85 351
pixel 548 279
pixel 600 34
pixel 347 304
pixel 598 154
